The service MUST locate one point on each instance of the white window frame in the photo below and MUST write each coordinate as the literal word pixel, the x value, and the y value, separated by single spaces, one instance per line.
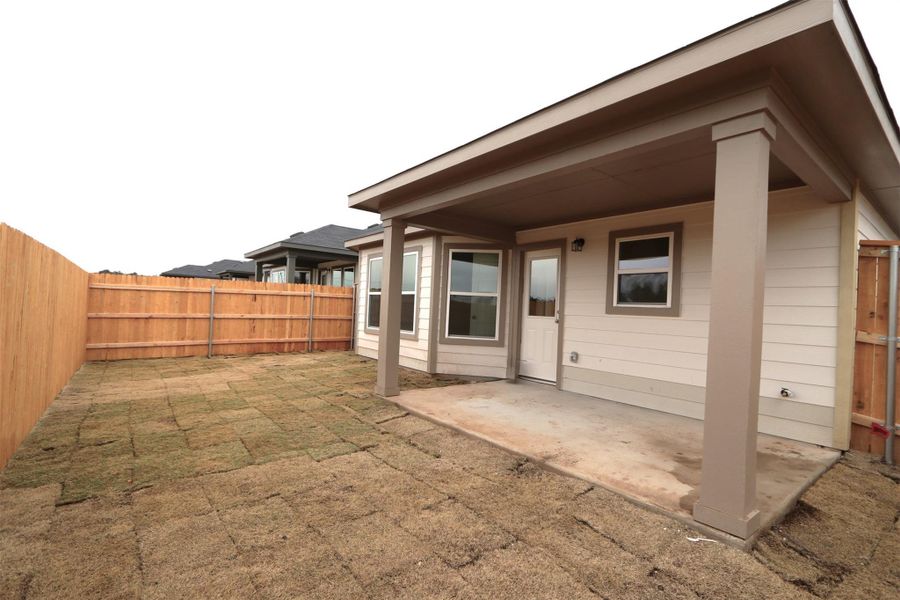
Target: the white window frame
pixel 342 271
pixel 496 294
pixel 270 272
pixel 414 292
pixel 669 271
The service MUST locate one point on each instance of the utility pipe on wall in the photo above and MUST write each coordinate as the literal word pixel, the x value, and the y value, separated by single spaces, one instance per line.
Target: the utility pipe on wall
pixel 890 385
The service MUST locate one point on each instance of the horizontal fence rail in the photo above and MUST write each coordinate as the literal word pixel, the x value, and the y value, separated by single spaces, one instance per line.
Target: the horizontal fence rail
pixel 132 316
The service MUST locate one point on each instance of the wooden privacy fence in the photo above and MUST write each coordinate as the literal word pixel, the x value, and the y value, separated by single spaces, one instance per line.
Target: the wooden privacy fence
pixel 43 300
pixel 870 367
pixel 133 316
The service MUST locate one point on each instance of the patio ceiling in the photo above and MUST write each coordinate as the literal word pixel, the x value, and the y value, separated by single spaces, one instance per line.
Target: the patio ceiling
pixel 676 175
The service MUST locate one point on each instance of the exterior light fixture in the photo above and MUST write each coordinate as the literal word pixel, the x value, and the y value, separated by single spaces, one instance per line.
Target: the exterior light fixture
pixel 577 244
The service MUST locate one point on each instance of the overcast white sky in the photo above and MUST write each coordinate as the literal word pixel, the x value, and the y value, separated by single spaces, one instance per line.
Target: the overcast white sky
pixel 140 136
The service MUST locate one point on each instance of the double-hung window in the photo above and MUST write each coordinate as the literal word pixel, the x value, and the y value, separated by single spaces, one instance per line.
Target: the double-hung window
pixel 407 292
pixel 473 297
pixel 644 272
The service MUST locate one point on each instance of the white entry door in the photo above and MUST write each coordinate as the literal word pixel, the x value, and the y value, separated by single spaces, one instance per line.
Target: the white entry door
pixel 539 353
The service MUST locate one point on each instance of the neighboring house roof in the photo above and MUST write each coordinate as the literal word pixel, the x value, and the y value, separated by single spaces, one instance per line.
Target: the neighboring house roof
pixel 327 239
pixel 212 270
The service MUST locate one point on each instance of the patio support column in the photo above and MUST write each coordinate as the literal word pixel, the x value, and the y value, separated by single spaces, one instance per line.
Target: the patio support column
pixel 290 266
pixel 259 270
pixel 388 373
pixel 728 481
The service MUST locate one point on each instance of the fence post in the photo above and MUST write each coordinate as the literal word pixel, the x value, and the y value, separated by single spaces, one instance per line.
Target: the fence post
pixel 890 388
pixel 353 318
pixel 312 307
pixel 212 310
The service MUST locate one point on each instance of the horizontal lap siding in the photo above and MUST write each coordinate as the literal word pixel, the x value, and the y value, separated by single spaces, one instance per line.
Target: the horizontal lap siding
pixel 872 225
pixel 800 316
pixel 413 353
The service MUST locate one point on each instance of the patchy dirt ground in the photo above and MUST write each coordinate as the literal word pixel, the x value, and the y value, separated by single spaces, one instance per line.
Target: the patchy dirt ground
pixel 282 477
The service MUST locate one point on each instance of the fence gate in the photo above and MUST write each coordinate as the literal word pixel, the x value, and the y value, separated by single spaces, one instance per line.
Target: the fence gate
pixel 868 432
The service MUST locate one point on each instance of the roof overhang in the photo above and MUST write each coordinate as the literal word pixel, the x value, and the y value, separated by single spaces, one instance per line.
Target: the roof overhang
pixel 285 247
pixel 376 239
pixel 804 60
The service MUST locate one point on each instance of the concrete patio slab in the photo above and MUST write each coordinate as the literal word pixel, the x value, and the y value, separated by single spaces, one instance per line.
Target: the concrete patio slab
pixel 650 457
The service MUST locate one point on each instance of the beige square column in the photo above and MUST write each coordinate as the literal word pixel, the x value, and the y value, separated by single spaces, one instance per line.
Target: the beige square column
pixel 388 372
pixel 728 482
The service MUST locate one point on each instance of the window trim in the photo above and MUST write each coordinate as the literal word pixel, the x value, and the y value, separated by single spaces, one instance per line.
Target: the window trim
pixel 672 308
pixel 502 277
pixel 406 335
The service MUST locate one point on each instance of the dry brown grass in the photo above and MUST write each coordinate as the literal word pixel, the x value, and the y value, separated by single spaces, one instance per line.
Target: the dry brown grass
pixel 283 477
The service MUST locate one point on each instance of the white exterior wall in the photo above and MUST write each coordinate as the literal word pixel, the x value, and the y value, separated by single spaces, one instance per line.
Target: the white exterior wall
pixel 660 362
pixel 413 352
pixel 871 225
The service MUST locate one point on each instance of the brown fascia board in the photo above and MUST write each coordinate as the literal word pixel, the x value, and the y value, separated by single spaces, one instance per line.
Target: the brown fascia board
pixel 303 247
pixel 882 98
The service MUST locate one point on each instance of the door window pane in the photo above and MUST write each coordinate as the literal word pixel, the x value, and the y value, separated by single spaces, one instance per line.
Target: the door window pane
pixel 336 278
pixel 643 288
pixel 542 287
pixel 348 277
pixel 472 316
pixel 474 272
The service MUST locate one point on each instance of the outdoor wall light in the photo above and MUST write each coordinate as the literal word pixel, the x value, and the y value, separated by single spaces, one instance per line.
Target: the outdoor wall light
pixel 577 244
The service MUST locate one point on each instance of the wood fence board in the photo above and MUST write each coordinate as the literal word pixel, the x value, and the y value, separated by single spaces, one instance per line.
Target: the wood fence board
pixel 43 307
pixel 145 317
pixel 870 361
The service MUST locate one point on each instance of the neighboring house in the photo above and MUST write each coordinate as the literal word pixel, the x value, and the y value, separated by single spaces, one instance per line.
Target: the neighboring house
pixel 681 237
pixel 316 257
pixel 221 269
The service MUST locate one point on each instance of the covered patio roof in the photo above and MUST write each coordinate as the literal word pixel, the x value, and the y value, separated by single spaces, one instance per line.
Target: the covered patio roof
pixel 642 139
pixel 787 98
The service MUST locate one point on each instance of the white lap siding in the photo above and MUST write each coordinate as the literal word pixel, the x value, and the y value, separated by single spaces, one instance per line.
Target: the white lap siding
pixel 413 352
pixel 871 225
pixel 660 362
